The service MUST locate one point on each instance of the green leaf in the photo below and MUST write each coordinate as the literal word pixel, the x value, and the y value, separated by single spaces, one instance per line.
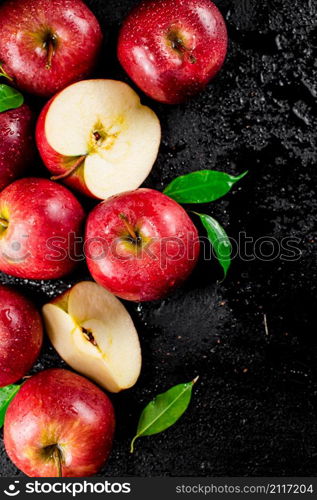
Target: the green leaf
pixel 6 395
pixel 10 98
pixel 164 410
pixel 219 241
pixel 202 186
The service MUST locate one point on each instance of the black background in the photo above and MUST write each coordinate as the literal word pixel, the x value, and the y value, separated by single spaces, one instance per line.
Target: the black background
pixel 254 410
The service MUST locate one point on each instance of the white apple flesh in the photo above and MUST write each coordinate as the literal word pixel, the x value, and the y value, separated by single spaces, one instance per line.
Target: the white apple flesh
pixel 98 137
pixel 93 332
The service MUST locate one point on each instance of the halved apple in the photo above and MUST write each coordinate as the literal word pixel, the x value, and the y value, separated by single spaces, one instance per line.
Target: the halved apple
pixel 94 333
pixel 98 137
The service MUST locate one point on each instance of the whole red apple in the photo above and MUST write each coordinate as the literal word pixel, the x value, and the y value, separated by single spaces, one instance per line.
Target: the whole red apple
pixel 59 424
pixel 39 223
pixel 16 143
pixel 140 244
pixel 47 44
pixel 172 48
pixel 21 335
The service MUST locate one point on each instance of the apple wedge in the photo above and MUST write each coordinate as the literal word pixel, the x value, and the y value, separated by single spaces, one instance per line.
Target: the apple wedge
pixel 94 333
pixel 98 137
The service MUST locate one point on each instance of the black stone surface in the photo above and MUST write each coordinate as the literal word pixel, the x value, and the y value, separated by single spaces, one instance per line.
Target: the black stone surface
pixel 254 410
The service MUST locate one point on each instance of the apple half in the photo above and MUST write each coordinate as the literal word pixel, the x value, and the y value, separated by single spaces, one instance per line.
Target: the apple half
pixel 94 333
pixel 98 137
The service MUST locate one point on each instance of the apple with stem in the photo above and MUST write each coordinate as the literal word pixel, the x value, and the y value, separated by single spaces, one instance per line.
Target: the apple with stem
pixel 97 137
pixel 40 222
pixel 94 333
pixel 47 44
pixel 16 143
pixel 21 335
pixel 172 48
pixel 140 244
pixel 59 425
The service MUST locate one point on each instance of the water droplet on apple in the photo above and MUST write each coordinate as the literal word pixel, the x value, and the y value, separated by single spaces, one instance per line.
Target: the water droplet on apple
pixel 6 315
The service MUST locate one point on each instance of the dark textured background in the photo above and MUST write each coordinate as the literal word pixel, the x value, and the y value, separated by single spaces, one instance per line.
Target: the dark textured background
pixel 254 410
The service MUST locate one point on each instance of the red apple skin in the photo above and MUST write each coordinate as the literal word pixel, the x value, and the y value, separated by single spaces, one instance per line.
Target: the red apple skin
pixel 168 74
pixel 21 335
pixel 43 218
pixel 57 163
pixel 25 26
pixel 16 143
pixel 58 407
pixel 170 255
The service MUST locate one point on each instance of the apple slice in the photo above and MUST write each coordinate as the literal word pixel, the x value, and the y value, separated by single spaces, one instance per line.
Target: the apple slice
pixel 98 137
pixel 94 333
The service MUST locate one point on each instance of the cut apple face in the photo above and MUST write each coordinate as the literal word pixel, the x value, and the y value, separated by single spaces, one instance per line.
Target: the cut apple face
pixel 94 333
pixel 104 135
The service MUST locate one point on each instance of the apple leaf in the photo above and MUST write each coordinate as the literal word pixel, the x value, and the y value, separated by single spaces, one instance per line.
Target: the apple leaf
pixel 6 395
pixel 202 186
pixel 10 98
pixel 219 241
pixel 164 410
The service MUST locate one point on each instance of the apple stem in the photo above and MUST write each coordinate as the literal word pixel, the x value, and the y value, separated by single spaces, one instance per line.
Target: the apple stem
pixel 5 74
pixel 70 171
pixel 50 52
pixel 178 45
pixel 57 455
pixel 4 223
pixel 129 227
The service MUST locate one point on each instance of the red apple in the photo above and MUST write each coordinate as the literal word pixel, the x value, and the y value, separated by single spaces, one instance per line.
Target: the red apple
pixel 59 424
pixel 172 48
pixel 47 44
pixel 39 221
pixel 140 244
pixel 21 335
pixel 97 137
pixel 16 143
